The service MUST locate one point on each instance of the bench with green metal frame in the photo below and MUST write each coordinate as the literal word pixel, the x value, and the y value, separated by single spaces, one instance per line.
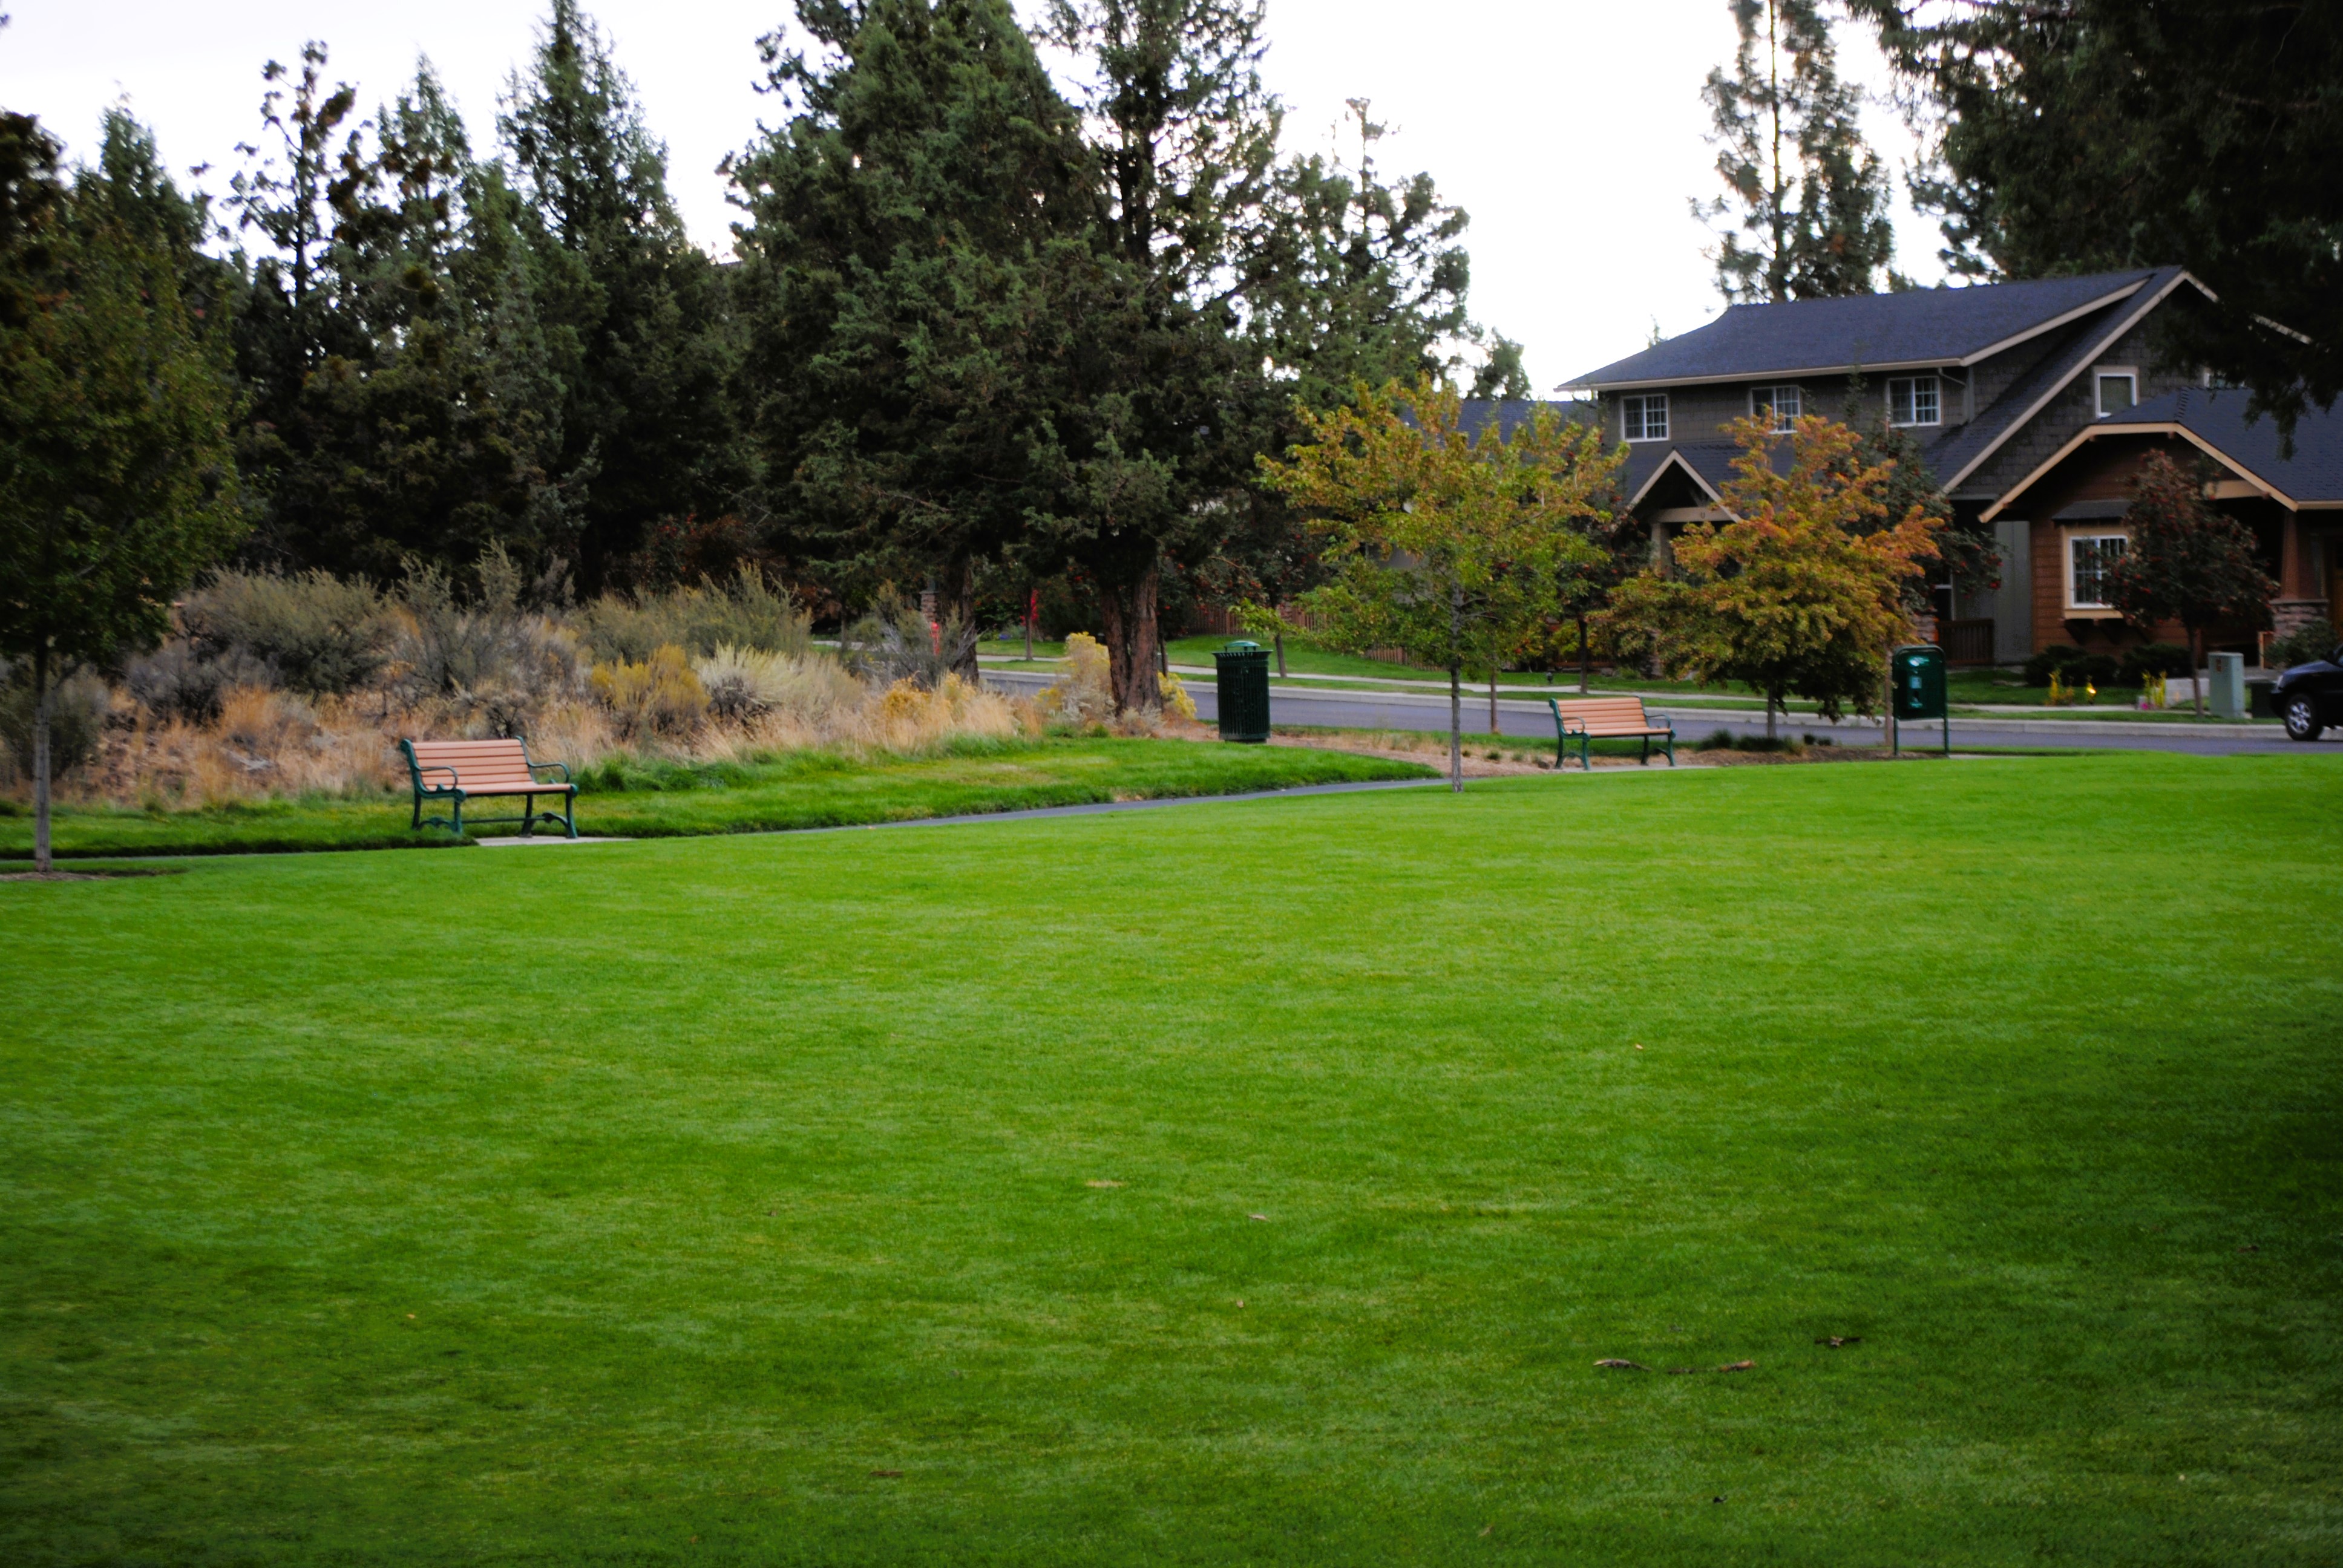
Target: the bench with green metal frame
pixel 1580 719
pixel 460 770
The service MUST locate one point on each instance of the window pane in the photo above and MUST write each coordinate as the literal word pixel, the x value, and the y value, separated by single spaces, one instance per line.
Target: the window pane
pixel 2115 394
pixel 1924 400
pixel 1655 417
pixel 1899 402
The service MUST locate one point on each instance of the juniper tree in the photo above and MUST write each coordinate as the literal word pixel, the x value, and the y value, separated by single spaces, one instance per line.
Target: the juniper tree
pixel 1808 202
pixel 908 225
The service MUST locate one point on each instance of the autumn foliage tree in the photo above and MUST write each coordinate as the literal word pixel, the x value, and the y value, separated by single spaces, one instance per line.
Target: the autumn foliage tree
pixel 1447 546
pixel 1802 593
pixel 2185 561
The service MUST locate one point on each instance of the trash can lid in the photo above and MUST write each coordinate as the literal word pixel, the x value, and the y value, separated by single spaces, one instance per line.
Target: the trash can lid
pixel 1240 646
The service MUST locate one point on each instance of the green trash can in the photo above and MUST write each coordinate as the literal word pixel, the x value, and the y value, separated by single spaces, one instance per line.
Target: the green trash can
pixel 1240 680
pixel 1918 673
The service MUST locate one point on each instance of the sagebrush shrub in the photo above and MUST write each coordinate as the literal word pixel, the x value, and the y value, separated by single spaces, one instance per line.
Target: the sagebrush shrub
pixel 179 682
pixel 1084 693
pixel 317 633
pixel 77 708
pixel 658 696
pixel 744 612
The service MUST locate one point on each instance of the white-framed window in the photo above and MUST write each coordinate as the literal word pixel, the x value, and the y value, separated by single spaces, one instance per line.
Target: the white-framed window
pixel 1914 400
pixel 2116 388
pixel 1644 416
pixel 2089 556
pixel 1779 406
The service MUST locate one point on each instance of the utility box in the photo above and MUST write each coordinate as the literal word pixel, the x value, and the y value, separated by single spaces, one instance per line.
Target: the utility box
pixel 2226 700
pixel 1240 680
pixel 1919 673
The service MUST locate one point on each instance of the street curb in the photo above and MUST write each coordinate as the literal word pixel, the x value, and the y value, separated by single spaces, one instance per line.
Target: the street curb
pixel 1684 717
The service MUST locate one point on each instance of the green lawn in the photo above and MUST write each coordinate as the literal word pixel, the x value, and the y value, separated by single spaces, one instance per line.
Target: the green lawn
pixel 801 789
pixel 890 1198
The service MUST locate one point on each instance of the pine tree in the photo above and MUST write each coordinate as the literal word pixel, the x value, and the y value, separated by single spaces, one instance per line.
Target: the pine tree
pixel 1809 200
pixel 387 345
pixel 636 320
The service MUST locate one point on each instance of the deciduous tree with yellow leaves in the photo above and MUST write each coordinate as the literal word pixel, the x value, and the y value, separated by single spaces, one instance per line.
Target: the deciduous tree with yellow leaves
pixel 1449 545
pixel 1801 594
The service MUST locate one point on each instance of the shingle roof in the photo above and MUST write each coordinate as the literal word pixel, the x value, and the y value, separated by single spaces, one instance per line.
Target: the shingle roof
pixel 1509 412
pixel 1868 331
pixel 2314 472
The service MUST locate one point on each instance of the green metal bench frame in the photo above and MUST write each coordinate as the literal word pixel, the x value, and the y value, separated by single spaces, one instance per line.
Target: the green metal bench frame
pixel 1662 729
pixel 453 792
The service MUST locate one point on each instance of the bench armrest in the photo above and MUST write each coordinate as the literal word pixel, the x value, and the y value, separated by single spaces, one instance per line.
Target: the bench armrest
pixel 563 766
pixel 453 781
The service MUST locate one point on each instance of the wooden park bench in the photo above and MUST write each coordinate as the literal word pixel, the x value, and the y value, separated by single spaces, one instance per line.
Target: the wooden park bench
pixel 1585 718
pixel 460 770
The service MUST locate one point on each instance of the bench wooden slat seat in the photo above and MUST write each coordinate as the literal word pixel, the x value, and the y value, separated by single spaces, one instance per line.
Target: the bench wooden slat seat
pixel 1583 718
pixel 460 770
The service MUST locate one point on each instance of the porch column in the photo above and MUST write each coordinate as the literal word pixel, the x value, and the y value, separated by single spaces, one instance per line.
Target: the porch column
pixel 2301 598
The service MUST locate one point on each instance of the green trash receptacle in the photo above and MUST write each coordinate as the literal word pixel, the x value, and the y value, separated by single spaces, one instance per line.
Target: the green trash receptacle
pixel 1240 681
pixel 1917 675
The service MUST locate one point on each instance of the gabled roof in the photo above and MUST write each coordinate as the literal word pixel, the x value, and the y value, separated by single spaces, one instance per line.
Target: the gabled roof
pixel 1509 412
pixel 1869 332
pixel 2215 422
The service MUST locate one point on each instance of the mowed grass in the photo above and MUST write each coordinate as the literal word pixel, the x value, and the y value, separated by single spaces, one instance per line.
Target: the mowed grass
pixel 812 788
pixel 1240 1183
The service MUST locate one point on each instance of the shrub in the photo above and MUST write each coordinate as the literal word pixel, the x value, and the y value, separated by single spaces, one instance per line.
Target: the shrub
pixel 660 696
pixel 745 685
pixel 2165 658
pixel 1083 693
pixel 2312 643
pixel 486 656
pixel 76 719
pixel 743 612
pixel 2098 668
pixel 2052 660
pixel 178 681
pixel 895 643
pixel 319 634
pixel 1175 696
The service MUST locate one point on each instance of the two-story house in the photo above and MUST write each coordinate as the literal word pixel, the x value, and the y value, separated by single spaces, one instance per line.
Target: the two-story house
pixel 2002 385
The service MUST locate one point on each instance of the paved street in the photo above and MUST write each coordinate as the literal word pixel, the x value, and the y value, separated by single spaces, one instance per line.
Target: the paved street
pixel 1428 711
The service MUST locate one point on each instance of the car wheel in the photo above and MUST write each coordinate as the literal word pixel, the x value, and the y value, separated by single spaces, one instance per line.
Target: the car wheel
pixel 2302 719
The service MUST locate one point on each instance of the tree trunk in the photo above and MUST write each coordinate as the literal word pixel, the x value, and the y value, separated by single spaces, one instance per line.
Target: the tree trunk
pixel 1492 702
pixel 1277 638
pixel 1773 702
pixel 42 700
pixel 1456 727
pixel 1585 658
pixel 1126 610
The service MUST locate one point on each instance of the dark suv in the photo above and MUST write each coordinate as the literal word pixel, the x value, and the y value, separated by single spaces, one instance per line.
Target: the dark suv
pixel 2310 696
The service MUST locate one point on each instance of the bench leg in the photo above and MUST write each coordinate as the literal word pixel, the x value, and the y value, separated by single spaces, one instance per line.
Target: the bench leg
pixel 457 825
pixel 1671 744
pixel 569 812
pixel 1585 762
pixel 417 825
pixel 528 816
pixel 1647 751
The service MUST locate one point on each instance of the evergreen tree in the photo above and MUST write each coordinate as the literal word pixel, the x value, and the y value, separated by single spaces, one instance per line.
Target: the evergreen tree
pixel 907 226
pixel 400 404
pixel 1809 200
pixel 2083 136
pixel 635 319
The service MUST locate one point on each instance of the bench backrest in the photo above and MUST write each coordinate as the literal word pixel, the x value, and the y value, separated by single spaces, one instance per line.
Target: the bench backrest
pixel 1603 715
pixel 482 766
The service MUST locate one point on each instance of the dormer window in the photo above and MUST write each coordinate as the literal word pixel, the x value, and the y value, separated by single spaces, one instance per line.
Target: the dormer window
pixel 1914 400
pixel 1644 416
pixel 2119 390
pixel 1779 406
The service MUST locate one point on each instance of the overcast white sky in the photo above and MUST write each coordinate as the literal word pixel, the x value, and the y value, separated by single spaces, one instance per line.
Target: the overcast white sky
pixel 1570 129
